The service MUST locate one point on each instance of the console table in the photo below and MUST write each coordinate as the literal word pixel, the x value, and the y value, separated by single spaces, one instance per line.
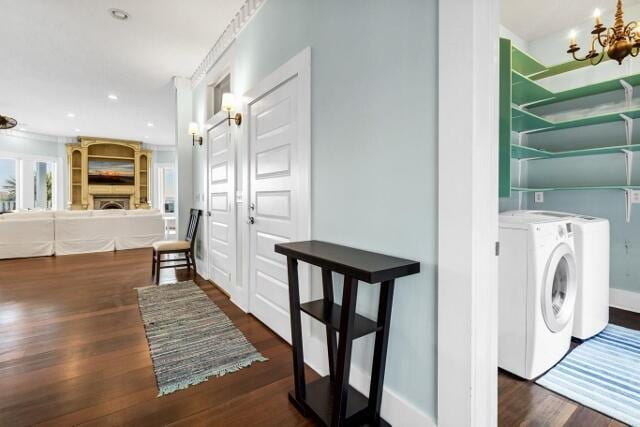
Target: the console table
pixel 331 400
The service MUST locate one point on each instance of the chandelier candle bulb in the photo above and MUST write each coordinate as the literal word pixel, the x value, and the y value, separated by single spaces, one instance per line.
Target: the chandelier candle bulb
pixel 596 15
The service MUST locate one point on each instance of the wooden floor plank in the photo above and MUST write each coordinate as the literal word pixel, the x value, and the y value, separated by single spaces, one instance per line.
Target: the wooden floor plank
pixel 74 352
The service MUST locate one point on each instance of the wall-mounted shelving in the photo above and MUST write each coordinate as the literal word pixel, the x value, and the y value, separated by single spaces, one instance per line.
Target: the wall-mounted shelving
pixel 520 90
pixel 526 91
pixel 521 152
pixel 596 187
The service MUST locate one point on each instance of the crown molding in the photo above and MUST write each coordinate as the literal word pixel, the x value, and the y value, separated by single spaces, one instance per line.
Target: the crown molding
pixel 242 18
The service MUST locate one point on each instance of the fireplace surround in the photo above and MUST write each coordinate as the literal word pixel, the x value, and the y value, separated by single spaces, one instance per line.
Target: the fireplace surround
pixel 110 202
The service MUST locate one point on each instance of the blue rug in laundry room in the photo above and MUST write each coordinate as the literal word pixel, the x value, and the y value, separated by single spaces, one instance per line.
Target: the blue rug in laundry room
pixel 602 373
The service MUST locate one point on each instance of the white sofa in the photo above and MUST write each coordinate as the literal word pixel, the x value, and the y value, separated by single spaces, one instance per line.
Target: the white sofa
pixel 28 234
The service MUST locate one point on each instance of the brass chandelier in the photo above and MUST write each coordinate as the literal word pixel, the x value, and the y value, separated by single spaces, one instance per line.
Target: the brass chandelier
pixel 616 42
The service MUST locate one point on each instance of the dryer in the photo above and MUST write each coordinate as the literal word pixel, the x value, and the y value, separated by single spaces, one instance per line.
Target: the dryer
pixel 591 237
pixel 537 292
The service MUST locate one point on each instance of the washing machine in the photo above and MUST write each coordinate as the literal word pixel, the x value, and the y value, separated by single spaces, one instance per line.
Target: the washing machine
pixel 591 236
pixel 537 292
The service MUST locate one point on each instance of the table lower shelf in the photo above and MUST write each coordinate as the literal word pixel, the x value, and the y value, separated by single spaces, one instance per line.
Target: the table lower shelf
pixel 319 404
pixel 329 313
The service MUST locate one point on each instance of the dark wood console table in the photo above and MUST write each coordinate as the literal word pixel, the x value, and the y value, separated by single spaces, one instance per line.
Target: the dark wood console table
pixel 331 400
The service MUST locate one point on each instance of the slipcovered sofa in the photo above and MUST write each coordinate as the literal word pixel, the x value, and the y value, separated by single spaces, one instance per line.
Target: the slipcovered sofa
pixel 29 234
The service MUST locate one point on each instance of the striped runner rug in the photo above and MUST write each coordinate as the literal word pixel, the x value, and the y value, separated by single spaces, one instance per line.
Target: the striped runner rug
pixel 190 338
pixel 602 373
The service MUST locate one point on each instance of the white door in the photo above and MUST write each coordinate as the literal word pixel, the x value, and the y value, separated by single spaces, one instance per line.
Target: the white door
pixel 277 190
pixel 221 219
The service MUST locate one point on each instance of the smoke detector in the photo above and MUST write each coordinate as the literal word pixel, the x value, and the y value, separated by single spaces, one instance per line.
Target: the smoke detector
pixel 119 14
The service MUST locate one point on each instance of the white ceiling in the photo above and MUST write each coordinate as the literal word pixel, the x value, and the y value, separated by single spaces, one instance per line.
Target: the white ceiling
pixel 66 56
pixel 534 19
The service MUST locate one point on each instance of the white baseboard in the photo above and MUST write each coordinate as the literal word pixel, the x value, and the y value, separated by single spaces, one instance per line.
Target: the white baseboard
pixel 395 409
pixel 625 300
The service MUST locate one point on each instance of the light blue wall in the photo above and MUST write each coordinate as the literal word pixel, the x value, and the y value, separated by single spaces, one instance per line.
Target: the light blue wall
pixel 28 146
pixel 594 170
pixel 374 158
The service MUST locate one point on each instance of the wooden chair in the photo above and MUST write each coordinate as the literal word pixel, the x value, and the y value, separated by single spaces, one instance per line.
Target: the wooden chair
pixel 185 247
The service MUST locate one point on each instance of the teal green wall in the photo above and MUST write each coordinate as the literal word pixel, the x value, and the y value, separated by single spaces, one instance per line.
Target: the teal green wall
pixel 374 157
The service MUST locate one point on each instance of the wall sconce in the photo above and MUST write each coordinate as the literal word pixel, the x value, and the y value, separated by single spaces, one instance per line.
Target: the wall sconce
pixel 193 131
pixel 228 105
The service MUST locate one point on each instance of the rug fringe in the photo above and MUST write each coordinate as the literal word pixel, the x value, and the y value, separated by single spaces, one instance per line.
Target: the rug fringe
pixel 200 378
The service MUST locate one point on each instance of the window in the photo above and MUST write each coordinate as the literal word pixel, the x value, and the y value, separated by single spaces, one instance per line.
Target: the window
pixel 167 192
pixel 216 91
pixel 8 185
pixel 28 183
pixel 43 185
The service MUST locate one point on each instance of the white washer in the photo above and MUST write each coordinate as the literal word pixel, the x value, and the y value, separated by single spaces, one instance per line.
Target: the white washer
pixel 591 237
pixel 537 291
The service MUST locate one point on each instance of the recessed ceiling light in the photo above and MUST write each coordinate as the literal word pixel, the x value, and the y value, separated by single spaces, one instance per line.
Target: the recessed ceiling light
pixel 146 137
pixel 71 115
pixel 150 124
pixel 112 97
pixel 119 14
pixel 76 130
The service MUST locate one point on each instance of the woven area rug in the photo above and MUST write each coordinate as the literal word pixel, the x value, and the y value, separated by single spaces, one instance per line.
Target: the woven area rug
pixel 602 373
pixel 189 337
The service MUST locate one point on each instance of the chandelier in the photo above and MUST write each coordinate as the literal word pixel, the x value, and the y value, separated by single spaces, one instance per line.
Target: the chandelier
pixel 616 42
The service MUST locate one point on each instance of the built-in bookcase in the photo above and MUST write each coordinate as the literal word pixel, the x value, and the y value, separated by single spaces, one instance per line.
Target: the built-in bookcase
pixel 93 150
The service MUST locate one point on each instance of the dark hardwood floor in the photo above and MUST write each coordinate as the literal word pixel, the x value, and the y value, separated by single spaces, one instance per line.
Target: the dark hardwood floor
pixel 73 352
pixel 526 403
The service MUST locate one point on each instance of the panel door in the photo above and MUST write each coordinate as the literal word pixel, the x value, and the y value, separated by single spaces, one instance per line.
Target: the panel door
pixel 221 219
pixel 273 190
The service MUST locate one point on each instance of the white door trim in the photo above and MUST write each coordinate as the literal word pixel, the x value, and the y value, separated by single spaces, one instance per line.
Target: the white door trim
pixel 299 66
pixel 467 211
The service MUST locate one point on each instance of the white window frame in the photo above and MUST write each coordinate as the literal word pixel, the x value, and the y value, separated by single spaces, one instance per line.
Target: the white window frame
pixel 21 170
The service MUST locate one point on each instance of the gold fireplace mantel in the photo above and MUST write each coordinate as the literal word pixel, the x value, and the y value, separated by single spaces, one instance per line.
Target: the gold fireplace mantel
pixel 81 194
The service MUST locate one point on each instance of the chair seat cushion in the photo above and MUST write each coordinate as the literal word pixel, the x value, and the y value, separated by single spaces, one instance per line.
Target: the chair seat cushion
pixel 171 245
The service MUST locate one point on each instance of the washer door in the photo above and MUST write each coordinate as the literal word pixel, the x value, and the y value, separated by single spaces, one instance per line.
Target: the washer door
pixel 559 288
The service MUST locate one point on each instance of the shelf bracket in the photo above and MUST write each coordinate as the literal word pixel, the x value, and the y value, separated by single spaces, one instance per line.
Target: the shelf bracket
pixel 628 125
pixel 627 205
pixel 628 92
pixel 628 163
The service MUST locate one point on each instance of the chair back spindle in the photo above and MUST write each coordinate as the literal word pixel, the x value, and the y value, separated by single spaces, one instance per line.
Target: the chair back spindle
pixel 194 221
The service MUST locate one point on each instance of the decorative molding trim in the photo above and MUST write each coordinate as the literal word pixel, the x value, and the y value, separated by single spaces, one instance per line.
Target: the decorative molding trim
pixel 244 15
pixel 625 300
pixel 37 136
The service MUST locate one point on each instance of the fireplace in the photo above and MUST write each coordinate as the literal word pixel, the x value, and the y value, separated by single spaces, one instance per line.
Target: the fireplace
pixel 110 202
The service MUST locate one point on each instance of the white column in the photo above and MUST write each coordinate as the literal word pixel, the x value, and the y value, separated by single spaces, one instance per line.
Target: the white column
pixel 26 184
pixel 468 210
pixel 184 151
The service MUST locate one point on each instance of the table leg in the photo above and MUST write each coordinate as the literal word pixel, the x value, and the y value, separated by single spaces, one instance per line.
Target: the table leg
pixel 380 350
pixel 347 317
pixel 327 289
pixel 296 330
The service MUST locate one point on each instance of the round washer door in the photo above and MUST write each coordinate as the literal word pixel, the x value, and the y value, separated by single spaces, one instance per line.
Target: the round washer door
pixel 559 288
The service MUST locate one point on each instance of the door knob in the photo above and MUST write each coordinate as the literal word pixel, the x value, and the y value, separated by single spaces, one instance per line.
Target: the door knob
pixel 251 220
